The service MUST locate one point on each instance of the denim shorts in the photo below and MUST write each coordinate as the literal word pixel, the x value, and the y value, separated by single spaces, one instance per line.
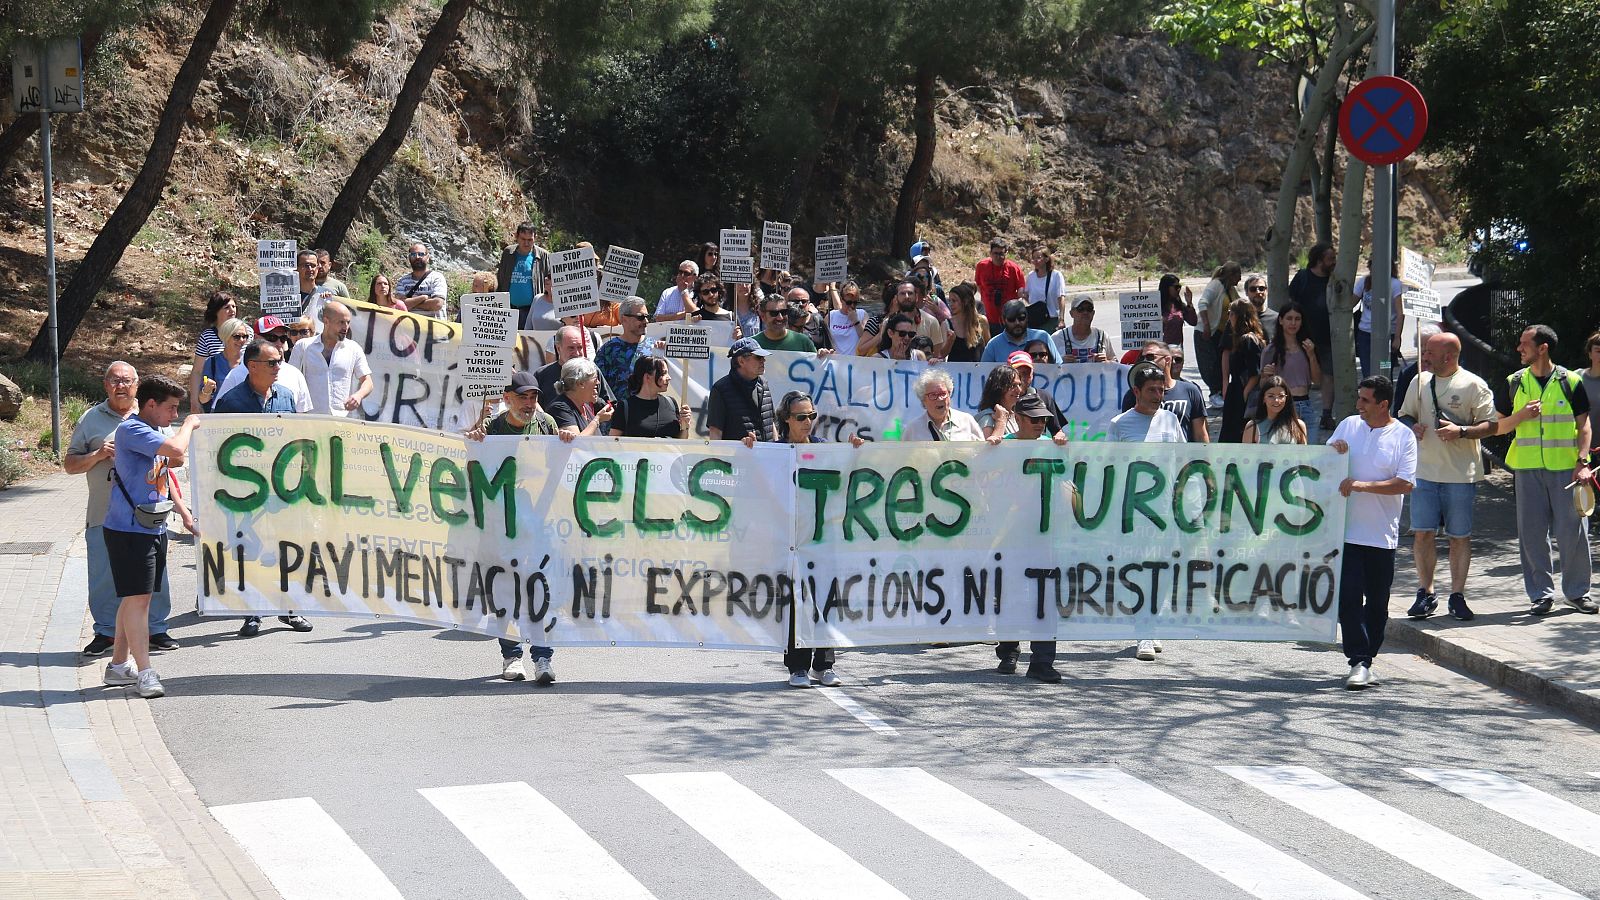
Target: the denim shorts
pixel 1436 503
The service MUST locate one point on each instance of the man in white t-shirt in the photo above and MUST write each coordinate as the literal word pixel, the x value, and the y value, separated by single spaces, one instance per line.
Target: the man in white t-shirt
pixel 1383 469
pixel 334 366
pixel 677 302
pixel 1147 422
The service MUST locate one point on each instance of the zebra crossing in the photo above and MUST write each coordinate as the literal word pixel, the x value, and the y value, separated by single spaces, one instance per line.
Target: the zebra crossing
pixel 542 851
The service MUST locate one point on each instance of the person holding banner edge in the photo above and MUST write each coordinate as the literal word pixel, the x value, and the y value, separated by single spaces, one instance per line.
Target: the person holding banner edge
pixel 1033 424
pixel 739 407
pixel 651 410
pixel 1147 421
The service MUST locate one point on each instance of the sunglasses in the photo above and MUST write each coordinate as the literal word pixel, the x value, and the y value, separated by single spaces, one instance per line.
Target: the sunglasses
pixel 804 417
pixel 1020 318
pixel 709 291
pixel 904 334
pixel 1152 357
pixel 774 313
pixel 1040 357
pixel 269 362
pixel 640 316
pixel 240 337
pixel 683 272
pixel 299 332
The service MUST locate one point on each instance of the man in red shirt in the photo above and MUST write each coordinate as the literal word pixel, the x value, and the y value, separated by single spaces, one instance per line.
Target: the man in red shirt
pixel 999 280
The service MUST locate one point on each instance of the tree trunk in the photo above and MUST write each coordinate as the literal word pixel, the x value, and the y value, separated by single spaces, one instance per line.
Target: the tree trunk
pixel 23 127
pixel 143 194
pixel 372 163
pixel 794 193
pixel 1341 287
pixel 1322 188
pixel 1281 235
pixel 910 203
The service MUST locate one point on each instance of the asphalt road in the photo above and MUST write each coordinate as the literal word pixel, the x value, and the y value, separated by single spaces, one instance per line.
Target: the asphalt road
pixel 681 774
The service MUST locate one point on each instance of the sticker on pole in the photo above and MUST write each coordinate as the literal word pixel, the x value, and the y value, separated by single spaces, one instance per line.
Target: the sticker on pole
pixel 1382 120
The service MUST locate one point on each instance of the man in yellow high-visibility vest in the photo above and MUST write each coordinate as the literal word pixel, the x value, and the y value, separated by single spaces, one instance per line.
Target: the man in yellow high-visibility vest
pixel 1549 413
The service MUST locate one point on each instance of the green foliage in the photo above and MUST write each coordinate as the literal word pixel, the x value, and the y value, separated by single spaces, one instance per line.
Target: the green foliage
pixel 1514 103
pixel 11 468
pixel 34 379
pixel 331 29
pixel 1285 31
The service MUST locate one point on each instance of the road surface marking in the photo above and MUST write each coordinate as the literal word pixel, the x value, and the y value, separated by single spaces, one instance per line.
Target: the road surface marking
pixel 1248 862
pixel 304 851
pixel 1024 860
pixel 785 856
pixel 541 851
pixel 1440 854
pixel 1513 799
pixel 863 715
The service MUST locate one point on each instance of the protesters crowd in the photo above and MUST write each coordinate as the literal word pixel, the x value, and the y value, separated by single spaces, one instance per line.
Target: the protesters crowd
pixel 1265 363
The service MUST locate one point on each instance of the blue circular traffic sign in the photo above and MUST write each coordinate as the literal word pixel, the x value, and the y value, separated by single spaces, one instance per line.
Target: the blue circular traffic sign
pixel 1382 120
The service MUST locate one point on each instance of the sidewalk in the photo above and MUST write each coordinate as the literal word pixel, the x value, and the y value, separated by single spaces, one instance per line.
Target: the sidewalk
pixel 91 804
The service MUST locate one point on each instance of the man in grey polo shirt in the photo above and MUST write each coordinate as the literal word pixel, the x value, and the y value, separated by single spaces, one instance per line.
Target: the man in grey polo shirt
pixel 89 454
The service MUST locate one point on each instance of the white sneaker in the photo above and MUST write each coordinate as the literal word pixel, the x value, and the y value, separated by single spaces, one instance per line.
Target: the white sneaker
pixel 1216 401
pixel 1146 651
pixel 1360 677
pixel 826 678
pixel 123 674
pixel 799 679
pixel 543 673
pixel 1157 646
pixel 150 685
pixel 512 670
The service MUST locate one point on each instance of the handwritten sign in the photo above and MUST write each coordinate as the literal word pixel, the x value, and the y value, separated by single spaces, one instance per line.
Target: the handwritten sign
pixel 1423 304
pixel 1141 318
pixel 275 255
pixel 485 371
pixel 687 342
pixel 1416 269
pixel 738 269
pixel 833 259
pixel 775 245
pixel 488 319
pixel 280 293
pixel 621 278
pixel 574 276
pixel 734 242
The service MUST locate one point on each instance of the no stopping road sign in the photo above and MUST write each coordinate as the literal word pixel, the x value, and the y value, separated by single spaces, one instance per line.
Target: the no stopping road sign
pixel 1382 120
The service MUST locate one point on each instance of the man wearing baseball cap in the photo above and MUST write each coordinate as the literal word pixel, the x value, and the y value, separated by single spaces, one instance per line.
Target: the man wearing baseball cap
pixel 1033 423
pixel 273 330
pixel 1024 361
pixel 740 405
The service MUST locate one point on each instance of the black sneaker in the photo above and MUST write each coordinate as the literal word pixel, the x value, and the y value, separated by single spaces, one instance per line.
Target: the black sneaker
pixel 1048 676
pixel 99 645
pixel 1584 605
pixel 1541 607
pixel 1458 607
pixel 298 623
pixel 1008 664
pixel 251 626
pixel 1425 605
pixel 162 641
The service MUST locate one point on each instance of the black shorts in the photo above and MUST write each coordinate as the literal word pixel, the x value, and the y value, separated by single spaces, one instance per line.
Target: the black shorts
pixel 138 561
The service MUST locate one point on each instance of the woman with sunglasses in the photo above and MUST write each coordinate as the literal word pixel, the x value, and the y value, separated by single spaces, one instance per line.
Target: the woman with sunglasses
pixel 236 334
pixel 901 332
pixel 651 410
pixel 1278 422
pixel 797 422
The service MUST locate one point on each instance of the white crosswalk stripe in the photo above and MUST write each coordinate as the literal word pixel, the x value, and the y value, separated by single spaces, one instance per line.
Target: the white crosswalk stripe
pixel 541 851
pixel 304 852
pixel 1513 799
pixel 1446 857
pixel 1247 862
pixel 785 856
pixel 1022 859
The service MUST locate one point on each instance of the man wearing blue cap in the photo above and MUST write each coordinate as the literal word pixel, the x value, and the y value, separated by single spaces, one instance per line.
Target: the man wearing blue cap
pixel 740 405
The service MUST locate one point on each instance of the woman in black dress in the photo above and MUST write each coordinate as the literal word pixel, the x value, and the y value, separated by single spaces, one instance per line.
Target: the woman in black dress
pixel 651 411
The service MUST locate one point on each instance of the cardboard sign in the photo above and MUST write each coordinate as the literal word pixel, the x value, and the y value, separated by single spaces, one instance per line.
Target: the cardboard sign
pixel 1141 318
pixel 833 259
pixel 687 342
pixel 574 276
pixel 621 277
pixel 1423 304
pixel 275 255
pixel 485 371
pixel 1415 269
pixel 738 269
pixel 775 246
pixel 734 242
pixel 280 292
pixel 488 319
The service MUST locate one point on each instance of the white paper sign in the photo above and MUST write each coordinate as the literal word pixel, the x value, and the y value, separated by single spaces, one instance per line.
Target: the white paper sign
pixel 621 278
pixel 833 259
pixel 775 245
pixel 280 292
pixel 1416 269
pixel 485 371
pixel 735 242
pixel 687 342
pixel 738 269
pixel 575 279
pixel 1141 318
pixel 488 319
pixel 275 255
pixel 720 333
pixel 1423 304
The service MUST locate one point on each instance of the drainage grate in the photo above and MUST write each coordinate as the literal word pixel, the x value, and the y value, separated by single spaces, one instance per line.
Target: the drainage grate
pixel 27 548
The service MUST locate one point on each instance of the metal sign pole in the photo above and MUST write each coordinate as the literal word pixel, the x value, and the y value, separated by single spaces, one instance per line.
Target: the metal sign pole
pixel 50 260
pixel 1383 212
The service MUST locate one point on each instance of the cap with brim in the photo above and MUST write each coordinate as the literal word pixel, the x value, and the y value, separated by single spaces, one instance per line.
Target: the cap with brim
pixel 1032 406
pixel 746 346
pixel 1142 367
pixel 1019 358
pixel 1082 302
pixel 522 383
pixel 267 323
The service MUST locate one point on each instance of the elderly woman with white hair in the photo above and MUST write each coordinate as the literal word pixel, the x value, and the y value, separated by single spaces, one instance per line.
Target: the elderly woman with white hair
pixel 235 334
pixel 940 421
pixel 574 406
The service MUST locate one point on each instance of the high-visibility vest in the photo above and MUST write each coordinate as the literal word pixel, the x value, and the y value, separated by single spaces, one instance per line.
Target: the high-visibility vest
pixel 1550 439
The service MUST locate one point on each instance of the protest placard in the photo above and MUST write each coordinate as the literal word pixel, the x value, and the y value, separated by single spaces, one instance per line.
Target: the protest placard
pixel 720 333
pixel 775 246
pixel 1415 269
pixel 738 269
pixel 734 242
pixel 621 276
pixel 1423 304
pixel 488 319
pixel 833 259
pixel 280 293
pixel 485 370
pixel 686 342
pixel 275 255
pixel 1141 318
pixel 574 277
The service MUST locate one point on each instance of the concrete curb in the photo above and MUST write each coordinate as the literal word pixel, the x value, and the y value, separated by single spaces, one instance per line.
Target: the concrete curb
pixel 1455 655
